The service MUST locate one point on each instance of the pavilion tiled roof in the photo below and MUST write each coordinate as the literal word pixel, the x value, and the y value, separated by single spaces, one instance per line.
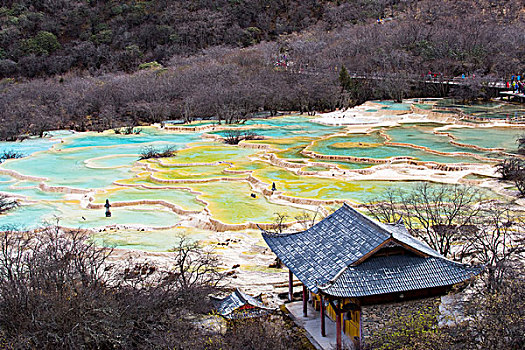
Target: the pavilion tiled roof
pixel 397 273
pixel 335 253
pixel 234 305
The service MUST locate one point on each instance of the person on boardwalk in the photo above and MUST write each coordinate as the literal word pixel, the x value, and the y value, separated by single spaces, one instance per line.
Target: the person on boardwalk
pixel 107 205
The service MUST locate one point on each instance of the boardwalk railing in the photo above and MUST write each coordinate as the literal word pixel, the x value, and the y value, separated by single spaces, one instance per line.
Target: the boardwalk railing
pixel 496 83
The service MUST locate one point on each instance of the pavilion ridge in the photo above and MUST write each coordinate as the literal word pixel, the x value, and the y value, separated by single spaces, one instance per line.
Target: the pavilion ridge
pixel 349 260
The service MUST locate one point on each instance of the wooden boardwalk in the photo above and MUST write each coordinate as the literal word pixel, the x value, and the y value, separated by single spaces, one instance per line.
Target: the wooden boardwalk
pixel 497 84
pixel 510 94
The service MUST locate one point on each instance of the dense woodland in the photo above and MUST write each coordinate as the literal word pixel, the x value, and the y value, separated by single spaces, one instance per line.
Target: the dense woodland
pixel 102 64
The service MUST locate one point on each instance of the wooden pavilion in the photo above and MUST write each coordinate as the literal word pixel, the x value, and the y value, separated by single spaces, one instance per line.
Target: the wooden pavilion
pixel 239 305
pixel 348 260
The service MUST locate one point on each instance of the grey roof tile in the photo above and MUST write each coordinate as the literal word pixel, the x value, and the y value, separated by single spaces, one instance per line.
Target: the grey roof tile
pixel 397 273
pixel 318 254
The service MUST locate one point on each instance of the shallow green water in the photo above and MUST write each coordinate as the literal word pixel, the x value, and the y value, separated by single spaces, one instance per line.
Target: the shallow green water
pixel 154 240
pixel 231 203
pixel 328 188
pixel 493 110
pixel 393 106
pixel 372 146
pixel 292 153
pixel 183 198
pixel 423 106
pixel 424 136
pixel 505 138
pixel 70 214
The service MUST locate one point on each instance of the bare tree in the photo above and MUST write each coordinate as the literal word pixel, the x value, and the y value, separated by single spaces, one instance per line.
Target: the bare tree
pixel 436 214
pixel 491 320
pixel 194 266
pixel 279 224
pixel 495 317
pixel 387 208
pixel 513 169
pixel 307 219
pixel 496 240
pixel 59 290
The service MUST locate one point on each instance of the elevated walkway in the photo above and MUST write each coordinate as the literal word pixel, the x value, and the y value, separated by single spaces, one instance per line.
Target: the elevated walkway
pixel 312 325
pixel 510 94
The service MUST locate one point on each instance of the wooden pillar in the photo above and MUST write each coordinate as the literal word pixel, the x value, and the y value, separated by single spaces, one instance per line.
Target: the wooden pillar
pixel 305 299
pixel 339 322
pixel 323 327
pixel 290 285
pixel 360 328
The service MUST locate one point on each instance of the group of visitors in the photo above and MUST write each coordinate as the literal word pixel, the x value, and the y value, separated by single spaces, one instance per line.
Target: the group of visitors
pixel 516 84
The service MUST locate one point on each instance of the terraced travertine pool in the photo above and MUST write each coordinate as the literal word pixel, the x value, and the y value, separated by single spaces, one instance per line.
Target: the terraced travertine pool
pixel 373 146
pixel 494 110
pixel 209 185
pixel 490 137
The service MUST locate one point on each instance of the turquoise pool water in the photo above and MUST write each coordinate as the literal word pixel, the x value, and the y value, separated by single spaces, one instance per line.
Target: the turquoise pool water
pixel 146 137
pixel 424 136
pixel 183 198
pixel 102 164
pixel 494 137
pixel 29 190
pixel 394 106
pixel 28 146
pixel 493 110
pixel 70 214
pixel 371 146
pixel 288 127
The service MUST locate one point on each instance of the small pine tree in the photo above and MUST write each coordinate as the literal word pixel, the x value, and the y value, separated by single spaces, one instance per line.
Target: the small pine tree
pixel 344 79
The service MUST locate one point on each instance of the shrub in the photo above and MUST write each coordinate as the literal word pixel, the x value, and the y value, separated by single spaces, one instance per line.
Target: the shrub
pixel 233 137
pixel 10 154
pixel 150 66
pixel 7 203
pixel 127 130
pixel 58 290
pixel 153 152
pixel 508 168
pixel 513 169
pixel 42 44
pixel 415 331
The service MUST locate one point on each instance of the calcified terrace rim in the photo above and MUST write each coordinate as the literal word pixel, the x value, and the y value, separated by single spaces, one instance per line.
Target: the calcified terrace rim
pixel 276 160
pixel 203 218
